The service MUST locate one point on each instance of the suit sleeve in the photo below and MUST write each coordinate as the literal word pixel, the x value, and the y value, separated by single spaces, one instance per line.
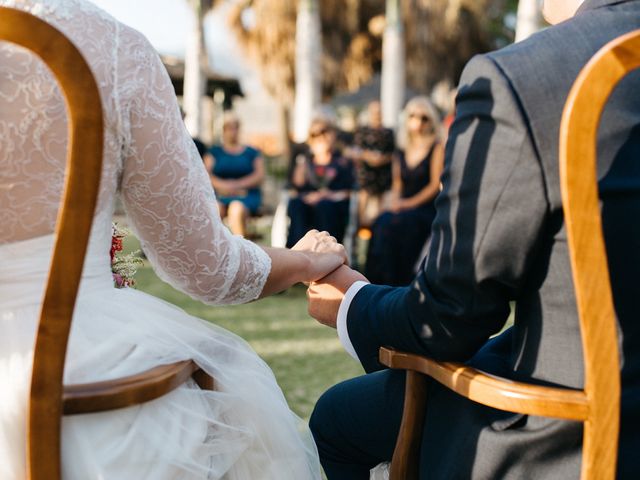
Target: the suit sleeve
pixel 490 218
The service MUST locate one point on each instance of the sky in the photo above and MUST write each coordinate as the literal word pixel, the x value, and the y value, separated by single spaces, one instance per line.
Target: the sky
pixel 166 24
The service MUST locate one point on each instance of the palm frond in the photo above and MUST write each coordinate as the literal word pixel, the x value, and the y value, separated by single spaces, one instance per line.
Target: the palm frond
pixel 441 36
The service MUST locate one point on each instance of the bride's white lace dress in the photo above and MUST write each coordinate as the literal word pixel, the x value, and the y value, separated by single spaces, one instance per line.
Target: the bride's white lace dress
pixel 244 430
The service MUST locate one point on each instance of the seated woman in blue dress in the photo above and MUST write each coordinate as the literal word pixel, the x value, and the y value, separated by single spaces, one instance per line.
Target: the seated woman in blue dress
pixel 399 235
pixel 321 183
pixel 236 173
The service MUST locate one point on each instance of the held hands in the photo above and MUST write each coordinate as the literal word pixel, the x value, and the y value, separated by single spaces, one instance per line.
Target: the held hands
pixel 395 207
pixel 324 252
pixel 313 198
pixel 331 276
pixel 325 295
pixel 228 188
pixel 398 205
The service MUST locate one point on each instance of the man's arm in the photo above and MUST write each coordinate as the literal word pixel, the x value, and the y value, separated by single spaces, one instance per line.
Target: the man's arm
pixel 490 219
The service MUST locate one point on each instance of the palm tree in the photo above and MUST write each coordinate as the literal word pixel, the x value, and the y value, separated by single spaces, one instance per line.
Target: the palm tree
pixel 393 66
pixel 529 19
pixel 308 78
pixel 349 51
pixel 439 35
pixel 195 67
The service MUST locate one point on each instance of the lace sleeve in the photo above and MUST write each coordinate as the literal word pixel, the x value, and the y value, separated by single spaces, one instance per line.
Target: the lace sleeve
pixel 166 191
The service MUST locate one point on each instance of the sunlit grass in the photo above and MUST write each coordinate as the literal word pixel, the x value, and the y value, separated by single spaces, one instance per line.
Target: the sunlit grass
pixel 306 357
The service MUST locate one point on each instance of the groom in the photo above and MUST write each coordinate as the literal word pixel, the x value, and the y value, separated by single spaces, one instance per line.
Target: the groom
pixel 498 238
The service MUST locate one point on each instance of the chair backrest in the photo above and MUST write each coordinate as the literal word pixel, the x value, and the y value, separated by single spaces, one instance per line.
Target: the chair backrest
pixel 82 180
pixel 578 180
pixel 598 405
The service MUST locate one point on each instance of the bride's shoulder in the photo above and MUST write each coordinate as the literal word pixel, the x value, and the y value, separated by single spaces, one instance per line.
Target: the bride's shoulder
pixel 59 11
pixel 74 16
pixel 133 42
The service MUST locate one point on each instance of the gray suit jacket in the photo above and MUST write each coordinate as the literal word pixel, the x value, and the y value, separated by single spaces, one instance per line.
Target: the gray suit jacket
pixel 499 237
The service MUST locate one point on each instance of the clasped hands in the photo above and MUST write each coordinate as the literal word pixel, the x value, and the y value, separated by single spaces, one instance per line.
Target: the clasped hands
pixel 230 188
pixel 326 294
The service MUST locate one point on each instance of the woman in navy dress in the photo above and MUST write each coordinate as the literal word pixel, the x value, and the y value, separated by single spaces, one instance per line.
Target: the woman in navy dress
pixel 399 235
pixel 236 172
pixel 321 182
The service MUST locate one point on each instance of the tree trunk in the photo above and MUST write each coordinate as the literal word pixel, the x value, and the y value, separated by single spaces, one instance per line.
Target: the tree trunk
pixel 393 66
pixel 529 19
pixel 285 137
pixel 308 67
pixel 195 62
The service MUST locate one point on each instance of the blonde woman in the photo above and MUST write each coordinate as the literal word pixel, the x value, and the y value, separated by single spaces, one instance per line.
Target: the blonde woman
pixel 399 234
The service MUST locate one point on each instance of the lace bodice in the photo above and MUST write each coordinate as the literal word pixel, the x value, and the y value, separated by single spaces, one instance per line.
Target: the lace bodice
pixel 149 158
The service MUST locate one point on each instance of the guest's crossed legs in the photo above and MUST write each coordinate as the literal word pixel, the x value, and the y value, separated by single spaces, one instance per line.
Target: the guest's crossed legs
pixel 355 424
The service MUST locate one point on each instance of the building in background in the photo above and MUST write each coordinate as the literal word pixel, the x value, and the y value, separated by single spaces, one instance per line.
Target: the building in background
pixel 219 95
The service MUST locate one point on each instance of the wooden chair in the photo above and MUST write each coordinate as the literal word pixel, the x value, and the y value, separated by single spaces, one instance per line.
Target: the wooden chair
pixel 598 405
pixel 49 398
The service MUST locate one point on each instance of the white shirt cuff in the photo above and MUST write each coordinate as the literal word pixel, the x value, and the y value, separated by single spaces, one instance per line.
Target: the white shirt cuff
pixel 341 325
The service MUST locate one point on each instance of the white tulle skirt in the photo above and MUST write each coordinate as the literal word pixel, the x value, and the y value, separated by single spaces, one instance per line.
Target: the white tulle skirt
pixel 243 430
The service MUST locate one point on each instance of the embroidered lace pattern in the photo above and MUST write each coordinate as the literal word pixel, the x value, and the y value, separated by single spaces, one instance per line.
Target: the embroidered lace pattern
pixel 149 158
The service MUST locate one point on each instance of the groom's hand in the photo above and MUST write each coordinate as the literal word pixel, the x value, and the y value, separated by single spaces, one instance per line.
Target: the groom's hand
pixel 326 294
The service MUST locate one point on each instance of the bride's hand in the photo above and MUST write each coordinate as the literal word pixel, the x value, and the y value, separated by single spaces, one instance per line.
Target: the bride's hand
pixel 320 242
pixel 326 253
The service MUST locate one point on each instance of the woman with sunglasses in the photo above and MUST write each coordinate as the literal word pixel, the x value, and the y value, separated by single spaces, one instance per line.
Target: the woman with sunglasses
pixel 399 235
pixel 236 172
pixel 321 182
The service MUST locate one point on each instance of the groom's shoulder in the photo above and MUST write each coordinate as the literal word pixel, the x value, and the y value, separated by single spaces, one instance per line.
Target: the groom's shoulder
pixel 524 65
pixel 553 57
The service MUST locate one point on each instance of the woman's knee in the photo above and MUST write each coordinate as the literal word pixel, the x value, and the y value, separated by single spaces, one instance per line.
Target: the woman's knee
pixel 237 209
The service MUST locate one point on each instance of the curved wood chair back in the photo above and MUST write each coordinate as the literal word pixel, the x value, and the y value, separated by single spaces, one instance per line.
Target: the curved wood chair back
pixel 580 201
pixel 598 405
pixel 49 398
pixel 82 181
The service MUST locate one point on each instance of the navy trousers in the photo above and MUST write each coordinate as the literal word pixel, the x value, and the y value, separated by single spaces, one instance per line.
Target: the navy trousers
pixel 355 424
pixel 396 244
pixel 325 215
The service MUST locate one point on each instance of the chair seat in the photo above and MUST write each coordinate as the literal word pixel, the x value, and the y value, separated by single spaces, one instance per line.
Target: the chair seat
pixel 132 390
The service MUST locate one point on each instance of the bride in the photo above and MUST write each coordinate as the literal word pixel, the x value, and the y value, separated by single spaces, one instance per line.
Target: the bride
pixel 244 430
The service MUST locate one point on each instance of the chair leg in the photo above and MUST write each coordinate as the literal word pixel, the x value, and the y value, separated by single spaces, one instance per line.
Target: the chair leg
pixel 600 449
pixel 203 379
pixel 406 456
pixel 44 432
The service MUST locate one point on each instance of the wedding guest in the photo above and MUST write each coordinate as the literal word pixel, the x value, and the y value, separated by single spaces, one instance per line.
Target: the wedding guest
pixel 399 235
pixel 499 239
pixel 236 172
pixel 372 149
pixel 200 145
pixel 321 183
pixel 296 150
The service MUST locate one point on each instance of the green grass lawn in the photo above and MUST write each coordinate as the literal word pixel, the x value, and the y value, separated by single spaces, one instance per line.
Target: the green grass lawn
pixel 306 357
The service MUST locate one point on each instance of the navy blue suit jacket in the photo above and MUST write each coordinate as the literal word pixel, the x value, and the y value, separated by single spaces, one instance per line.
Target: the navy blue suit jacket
pixel 499 239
